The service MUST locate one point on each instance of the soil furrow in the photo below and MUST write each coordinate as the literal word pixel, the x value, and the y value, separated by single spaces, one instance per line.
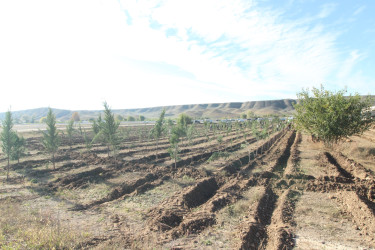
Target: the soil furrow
pixel 352 167
pixel 362 213
pixel 254 235
pixel 280 231
pixel 333 161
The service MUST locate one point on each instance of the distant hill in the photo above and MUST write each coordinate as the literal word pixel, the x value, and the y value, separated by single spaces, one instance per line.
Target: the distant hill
pixel 211 110
pixel 282 107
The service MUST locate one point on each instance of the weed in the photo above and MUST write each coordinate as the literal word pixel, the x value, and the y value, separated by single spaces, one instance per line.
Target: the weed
pixel 217 155
pixel 101 219
pixel 207 242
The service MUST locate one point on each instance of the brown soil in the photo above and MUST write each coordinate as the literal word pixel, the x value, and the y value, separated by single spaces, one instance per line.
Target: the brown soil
pixel 282 192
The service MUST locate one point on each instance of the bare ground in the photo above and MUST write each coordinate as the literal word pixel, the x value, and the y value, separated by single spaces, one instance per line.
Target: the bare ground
pixel 283 192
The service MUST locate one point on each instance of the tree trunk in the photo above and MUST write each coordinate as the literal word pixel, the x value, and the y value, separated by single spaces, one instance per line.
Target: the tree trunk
pixel 53 161
pixel 157 147
pixel 8 169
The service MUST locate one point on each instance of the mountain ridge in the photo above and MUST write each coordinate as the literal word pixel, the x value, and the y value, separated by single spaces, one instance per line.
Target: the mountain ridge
pixel 281 107
pixel 206 110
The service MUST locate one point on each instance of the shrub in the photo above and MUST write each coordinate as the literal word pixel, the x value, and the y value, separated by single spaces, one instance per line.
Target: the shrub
pixel 331 116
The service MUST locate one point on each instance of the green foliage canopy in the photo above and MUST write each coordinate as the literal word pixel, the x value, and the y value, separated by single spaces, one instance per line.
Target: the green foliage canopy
pixel 8 138
pixel 96 125
pixel 184 120
pixel 109 129
pixel 69 131
pixel 19 148
pixel 131 118
pixel 50 140
pixel 330 116
pixel 157 130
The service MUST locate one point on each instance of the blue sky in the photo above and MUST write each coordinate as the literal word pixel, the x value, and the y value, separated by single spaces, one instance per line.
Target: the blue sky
pixel 75 54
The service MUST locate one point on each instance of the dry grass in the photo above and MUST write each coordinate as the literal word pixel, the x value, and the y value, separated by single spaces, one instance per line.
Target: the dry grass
pixel 309 164
pixel 24 228
pixel 321 224
pixel 361 149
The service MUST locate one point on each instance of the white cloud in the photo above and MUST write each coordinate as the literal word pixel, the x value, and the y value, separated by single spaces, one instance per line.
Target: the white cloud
pixel 273 51
pixel 347 65
pixel 221 51
pixel 359 10
pixel 327 10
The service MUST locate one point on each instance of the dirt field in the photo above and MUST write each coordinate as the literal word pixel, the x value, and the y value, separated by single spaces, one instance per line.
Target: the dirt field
pixel 281 192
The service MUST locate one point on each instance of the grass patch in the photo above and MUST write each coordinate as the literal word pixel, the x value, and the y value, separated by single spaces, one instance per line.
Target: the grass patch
pixel 218 155
pixel 93 191
pixel 30 229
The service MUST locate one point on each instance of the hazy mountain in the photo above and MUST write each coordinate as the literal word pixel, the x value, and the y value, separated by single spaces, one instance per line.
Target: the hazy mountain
pixel 210 110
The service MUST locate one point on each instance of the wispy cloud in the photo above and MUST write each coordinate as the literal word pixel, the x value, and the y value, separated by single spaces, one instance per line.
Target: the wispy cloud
pixel 359 10
pixel 327 10
pixel 240 46
pixel 202 51
pixel 347 65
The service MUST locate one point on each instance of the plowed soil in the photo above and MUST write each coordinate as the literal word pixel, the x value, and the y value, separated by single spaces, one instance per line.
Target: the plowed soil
pixel 282 192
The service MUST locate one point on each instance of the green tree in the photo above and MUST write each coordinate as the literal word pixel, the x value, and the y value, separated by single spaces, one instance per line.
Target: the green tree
pixel 220 141
pixel 174 139
pixel 190 133
pixel 51 140
pixel 331 116
pixel 142 118
pixel 80 130
pixel 243 116
pixel 69 132
pixel 96 125
pixel 109 130
pixel 184 120
pixel 169 125
pixel 250 114
pixel 119 118
pixel 157 130
pixel 26 119
pixel 131 118
pixel 88 141
pixel 19 148
pixel 8 138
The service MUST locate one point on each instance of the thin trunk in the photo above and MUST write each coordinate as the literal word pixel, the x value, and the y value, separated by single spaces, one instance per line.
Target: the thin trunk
pixel 8 168
pixel 175 156
pixel 53 161
pixel 157 147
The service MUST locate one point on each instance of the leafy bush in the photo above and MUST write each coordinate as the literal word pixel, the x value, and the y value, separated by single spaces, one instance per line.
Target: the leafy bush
pixel 330 116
